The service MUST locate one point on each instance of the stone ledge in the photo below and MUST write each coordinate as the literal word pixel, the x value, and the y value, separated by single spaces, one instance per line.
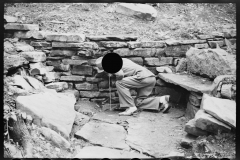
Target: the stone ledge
pixel 18 26
pixel 112 38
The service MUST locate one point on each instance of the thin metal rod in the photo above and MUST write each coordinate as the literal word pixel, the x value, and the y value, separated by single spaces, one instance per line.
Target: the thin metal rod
pixel 110 91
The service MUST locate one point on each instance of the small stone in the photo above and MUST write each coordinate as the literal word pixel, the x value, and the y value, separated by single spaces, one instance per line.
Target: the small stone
pixel 34 56
pixel 86 86
pixel 191 128
pixel 82 70
pixel 186 143
pixel 163 69
pixel 68 53
pixel 65 37
pixel 58 86
pixel 24 115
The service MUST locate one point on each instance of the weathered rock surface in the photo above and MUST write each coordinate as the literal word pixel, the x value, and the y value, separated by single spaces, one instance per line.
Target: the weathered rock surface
pixel 213 44
pixel 29 34
pixel 53 136
pixel 82 70
pixel 195 99
pixel 89 94
pixel 191 128
pixel 9 48
pixel 65 37
pixel 164 69
pixel 113 44
pixel 192 41
pixel 177 51
pixel 113 38
pixel 201 46
pixel 208 123
pixel 227 91
pixel 36 84
pixel 104 134
pixel 103 152
pixel 222 109
pixel 71 92
pixel 20 81
pixel 93 79
pixel 190 83
pixel 182 65
pixel 13 61
pixel 191 111
pixel 23 47
pixel 41 44
pixel 63 53
pixel 90 45
pixel 86 86
pixel 81 119
pixel 34 56
pixel 18 26
pixel 51 77
pixel 10 19
pixel 148 44
pixel 74 62
pixel 50 110
pixel 142 11
pixel 58 86
pixel 72 78
pixel 86 107
pixel 141 52
pixel 210 62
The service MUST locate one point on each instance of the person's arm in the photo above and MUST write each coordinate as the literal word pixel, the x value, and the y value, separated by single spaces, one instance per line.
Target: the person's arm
pixel 119 75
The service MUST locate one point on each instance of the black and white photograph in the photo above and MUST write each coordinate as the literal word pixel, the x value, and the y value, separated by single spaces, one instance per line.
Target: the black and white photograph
pixel 119 80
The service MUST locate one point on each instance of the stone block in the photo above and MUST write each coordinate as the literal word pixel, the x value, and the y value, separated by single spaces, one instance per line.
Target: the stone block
pixel 141 52
pixel 208 123
pixel 18 26
pixel 201 46
pixel 93 79
pixel 182 65
pixel 191 110
pixel 177 51
pixel 82 70
pixel 29 34
pixel 10 19
pixel 51 77
pixel 195 99
pixel 74 62
pixel 23 47
pixel 72 78
pixel 86 86
pixel 65 37
pixel 113 44
pixel 137 60
pixel 90 45
pixel 205 36
pixel 212 44
pixel 147 44
pixel 164 69
pixel 191 128
pixel 89 94
pixel 67 53
pixel 40 44
pixel 53 62
pixel 58 86
pixel 112 38
pixel 172 42
pixel 152 61
pixel 192 41
pixel 165 61
pixel 34 56
pixel 62 67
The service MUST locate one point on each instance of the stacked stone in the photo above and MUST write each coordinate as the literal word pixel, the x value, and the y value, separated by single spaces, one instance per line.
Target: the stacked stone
pixel 193 104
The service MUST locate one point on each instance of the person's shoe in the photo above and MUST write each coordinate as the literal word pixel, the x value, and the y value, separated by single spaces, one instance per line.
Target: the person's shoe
pixel 165 104
pixel 128 111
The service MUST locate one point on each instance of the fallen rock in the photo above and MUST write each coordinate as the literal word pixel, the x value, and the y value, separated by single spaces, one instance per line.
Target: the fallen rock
pixel 222 109
pixel 104 134
pixel 53 136
pixel 164 70
pixel 195 99
pixel 18 26
pixel 36 84
pixel 103 152
pixel 191 128
pixel 210 62
pixel 182 65
pixel 65 37
pixel 87 107
pixel 34 56
pixel 208 123
pixel 20 81
pixel 142 11
pixel 113 38
pixel 58 86
pixel 49 109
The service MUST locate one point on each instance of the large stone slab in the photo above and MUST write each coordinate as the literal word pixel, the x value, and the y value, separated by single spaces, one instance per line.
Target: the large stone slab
pixel 113 44
pixel 141 52
pixel 49 109
pixel 142 11
pixel 65 37
pixel 34 56
pixel 147 135
pixel 210 62
pixel 86 86
pixel 10 19
pixel 222 109
pixel 103 152
pixel 208 123
pixel 177 51
pixel 113 38
pixel 104 134
pixel 29 34
pixel 91 45
pixel 190 83
pixel 63 53
pixel 147 44
pixel 18 26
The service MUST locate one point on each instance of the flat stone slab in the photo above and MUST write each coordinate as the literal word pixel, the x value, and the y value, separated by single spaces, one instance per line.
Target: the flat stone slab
pixel 18 26
pixel 104 134
pixel 65 37
pixel 113 38
pixel 87 107
pixel 190 83
pixel 103 152
pixel 156 134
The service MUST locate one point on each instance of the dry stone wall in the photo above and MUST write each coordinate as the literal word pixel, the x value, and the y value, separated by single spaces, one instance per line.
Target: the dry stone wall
pixel 70 57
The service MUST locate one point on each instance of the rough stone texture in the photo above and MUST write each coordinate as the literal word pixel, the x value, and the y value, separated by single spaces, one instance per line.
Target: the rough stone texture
pixel 74 62
pixel 23 47
pixel 227 91
pixel 229 33
pixel 148 44
pixel 172 42
pixel 205 36
pixel 191 111
pixel 158 62
pixel 212 44
pixel 58 86
pixel 10 19
pixel 82 70
pixel 195 99
pixel 113 38
pixel 192 41
pixel 164 69
pixel 182 65
pixel 40 44
pixel 93 79
pixel 53 136
pixel 89 94
pixel 113 44
pixel 142 11
pixel 81 119
pixel 63 53
pixel 137 60
pixel 222 109
pixel 177 51
pixel 50 110
pixel 51 77
pixel 190 83
pixel 103 152
pixel 9 48
pixel 71 92
pixel 36 84
pixel 103 84
pixel 174 93
pixel 191 128
pixel 18 26
pixel 86 107
pixel 29 34
pixel 65 37
pixel 201 46
pixel 104 134
pixel 13 61
pixel 210 62
pixel 141 52
pixel 20 81
pixel 208 123
pixel 72 78
pixel 53 62
pixel 34 56
pixel 62 67
pixel 86 86
pixel 91 45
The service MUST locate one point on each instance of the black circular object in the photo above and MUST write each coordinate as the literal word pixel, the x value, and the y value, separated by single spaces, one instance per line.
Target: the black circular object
pixel 112 63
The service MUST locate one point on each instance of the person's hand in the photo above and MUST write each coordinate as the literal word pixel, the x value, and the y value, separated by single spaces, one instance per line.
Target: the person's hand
pixel 110 75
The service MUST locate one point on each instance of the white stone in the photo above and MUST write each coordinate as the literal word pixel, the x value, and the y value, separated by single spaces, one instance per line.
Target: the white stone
pixel 20 81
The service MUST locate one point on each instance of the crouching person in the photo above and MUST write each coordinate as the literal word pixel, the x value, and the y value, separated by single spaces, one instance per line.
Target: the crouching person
pixel 134 76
